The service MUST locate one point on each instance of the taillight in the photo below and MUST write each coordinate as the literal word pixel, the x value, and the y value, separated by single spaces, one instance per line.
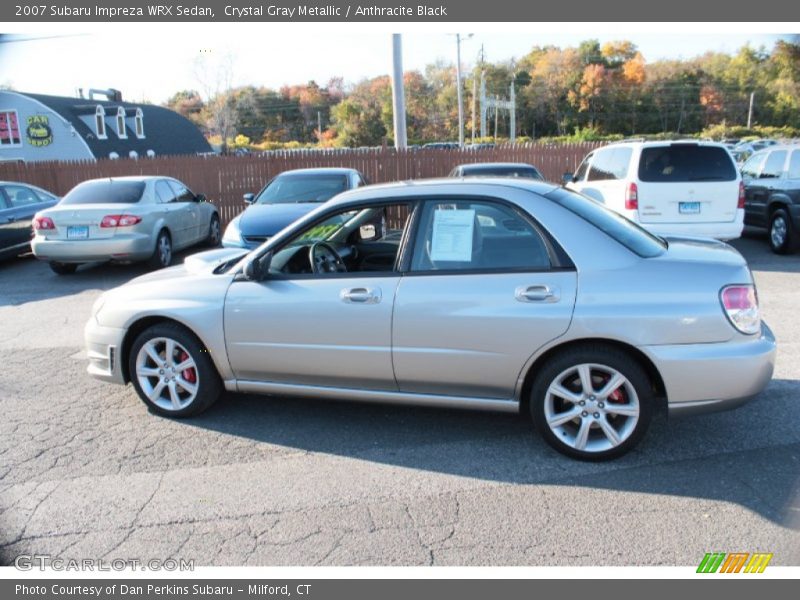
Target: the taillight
pixel 43 223
pixel 632 197
pixel 741 305
pixel 120 220
pixel 741 195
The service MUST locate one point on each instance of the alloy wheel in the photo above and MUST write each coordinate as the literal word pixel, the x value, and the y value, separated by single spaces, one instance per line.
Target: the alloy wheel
pixel 167 374
pixel 778 231
pixel 591 407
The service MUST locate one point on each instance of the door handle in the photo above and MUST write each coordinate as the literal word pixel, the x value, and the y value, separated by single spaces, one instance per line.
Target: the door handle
pixel 360 295
pixel 536 293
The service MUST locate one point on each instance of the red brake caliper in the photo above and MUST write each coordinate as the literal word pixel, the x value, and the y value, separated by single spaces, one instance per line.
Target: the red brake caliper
pixel 188 374
pixel 617 396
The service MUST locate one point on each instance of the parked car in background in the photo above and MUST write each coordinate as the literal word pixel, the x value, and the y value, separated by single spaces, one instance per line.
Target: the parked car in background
pixel 283 200
pixel 497 170
pixel 441 146
pixel 500 294
pixel 670 188
pixel 19 202
pixel 772 195
pixel 123 219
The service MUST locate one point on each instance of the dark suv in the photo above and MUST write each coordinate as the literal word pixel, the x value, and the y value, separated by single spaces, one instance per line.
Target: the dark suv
pixel 772 195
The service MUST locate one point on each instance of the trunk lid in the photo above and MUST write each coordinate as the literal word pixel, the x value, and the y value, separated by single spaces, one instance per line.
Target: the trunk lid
pixel 82 221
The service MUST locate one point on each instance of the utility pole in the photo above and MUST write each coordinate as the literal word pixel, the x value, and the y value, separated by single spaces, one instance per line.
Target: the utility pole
pixel 319 125
pixel 460 93
pixel 398 93
pixel 750 110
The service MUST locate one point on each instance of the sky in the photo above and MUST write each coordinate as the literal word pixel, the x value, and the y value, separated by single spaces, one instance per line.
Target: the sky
pixel 149 62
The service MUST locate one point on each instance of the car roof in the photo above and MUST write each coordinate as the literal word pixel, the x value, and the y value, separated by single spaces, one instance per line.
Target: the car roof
pixel 496 165
pixel 442 185
pixel 143 178
pixel 657 143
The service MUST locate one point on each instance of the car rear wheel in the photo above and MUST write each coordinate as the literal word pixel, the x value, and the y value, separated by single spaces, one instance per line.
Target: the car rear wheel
pixel 592 403
pixel 63 268
pixel 172 371
pixel 214 232
pixel 162 255
pixel 782 237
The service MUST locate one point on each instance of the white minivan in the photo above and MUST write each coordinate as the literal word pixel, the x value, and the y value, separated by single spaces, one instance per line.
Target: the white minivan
pixel 684 188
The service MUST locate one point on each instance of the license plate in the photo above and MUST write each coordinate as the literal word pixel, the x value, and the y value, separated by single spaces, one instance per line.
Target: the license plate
pixel 78 233
pixel 689 208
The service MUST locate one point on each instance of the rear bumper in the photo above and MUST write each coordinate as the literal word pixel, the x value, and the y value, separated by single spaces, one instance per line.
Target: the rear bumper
pixel 701 378
pixel 721 231
pixel 129 248
pixel 103 346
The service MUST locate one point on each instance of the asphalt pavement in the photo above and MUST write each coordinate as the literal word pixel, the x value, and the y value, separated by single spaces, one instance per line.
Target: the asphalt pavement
pixel 86 471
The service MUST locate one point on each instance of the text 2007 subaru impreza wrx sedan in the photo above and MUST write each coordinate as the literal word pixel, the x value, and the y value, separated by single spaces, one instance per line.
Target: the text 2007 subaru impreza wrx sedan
pixel 491 294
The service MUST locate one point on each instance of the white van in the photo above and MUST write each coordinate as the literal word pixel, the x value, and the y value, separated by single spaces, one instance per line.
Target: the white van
pixel 684 188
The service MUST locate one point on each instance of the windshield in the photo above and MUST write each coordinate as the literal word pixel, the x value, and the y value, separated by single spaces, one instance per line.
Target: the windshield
pixel 681 163
pixel 105 191
pixel 292 189
pixel 625 231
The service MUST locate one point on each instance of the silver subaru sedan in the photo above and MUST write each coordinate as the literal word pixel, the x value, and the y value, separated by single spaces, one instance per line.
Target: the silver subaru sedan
pixel 123 219
pixel 509 295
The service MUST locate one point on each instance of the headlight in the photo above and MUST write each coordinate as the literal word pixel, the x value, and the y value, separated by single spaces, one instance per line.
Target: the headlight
pixel 232 234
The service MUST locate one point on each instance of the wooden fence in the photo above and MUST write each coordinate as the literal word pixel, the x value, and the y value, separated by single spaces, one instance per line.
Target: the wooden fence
pixel 223 179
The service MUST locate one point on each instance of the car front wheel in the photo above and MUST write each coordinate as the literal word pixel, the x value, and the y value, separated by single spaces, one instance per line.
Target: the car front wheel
pixel 172 371
pixel 214 232
pixel 592 403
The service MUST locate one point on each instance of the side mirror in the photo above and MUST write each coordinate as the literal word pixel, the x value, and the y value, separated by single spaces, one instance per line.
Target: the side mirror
pixel 368 232
pixel 200 198
pixel 567 178
pixel 257 269
pixel 249 198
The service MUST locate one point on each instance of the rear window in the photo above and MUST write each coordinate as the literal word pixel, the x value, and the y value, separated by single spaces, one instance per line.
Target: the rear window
pixel 679 163
pixel 106 191
pixel 610 163
pixel 527 172
pixel 623 230
pixel 794 165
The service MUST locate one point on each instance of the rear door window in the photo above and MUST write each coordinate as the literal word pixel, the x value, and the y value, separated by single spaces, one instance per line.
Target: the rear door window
pixel 773 167
pixel 467 235
pixel 681 163
pixel 752 168
pixel 164 192
pixel 610 164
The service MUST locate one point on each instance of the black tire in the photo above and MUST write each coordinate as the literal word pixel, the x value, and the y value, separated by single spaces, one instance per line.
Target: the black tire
pixel 604 357
pixel 206 378
pixel 160 258
pixel 63 268
pixel 214 232
pixel 781 235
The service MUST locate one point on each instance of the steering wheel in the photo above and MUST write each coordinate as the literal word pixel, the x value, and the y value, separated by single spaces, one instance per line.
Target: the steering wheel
pixel 325 259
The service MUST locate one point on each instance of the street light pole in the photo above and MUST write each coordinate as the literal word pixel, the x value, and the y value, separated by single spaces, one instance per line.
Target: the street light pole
pixel 398 94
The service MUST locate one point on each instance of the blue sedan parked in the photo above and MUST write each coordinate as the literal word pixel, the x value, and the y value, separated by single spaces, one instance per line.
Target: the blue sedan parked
pixel 285 199
pixel 19 202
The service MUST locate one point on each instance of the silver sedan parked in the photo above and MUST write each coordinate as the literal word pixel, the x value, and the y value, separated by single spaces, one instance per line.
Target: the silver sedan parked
pixel 123 219
pixel 489 294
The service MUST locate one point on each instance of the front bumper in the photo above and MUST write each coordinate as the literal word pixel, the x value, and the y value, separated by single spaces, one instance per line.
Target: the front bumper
pixel 701 378
pixel 130 247
pixel 103 348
